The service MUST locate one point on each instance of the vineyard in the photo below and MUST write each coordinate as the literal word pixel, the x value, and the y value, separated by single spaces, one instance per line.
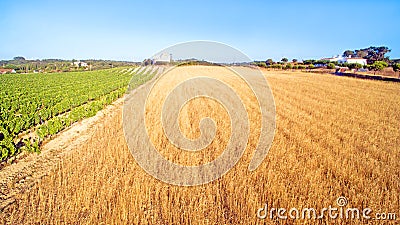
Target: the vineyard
pixel 36 106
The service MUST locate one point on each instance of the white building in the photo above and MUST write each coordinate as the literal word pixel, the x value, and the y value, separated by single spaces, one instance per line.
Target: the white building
pixel 358 60
pixel 349 60
pixel 163 58
pixel 333 59
pixel 80 64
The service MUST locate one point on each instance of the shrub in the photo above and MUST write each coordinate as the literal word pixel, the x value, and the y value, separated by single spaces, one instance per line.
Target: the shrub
pixel 288 66
pixel 302 67
pixel 355 66
pixel 262 64
pixel 396 67
pixel 330 66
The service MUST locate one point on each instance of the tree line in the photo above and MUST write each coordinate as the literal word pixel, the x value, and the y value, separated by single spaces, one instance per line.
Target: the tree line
pixel 375 56
pixel 22 65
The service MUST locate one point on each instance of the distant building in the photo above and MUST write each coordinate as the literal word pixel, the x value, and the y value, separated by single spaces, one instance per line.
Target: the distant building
pixel 333 59
pixel 80 64
pixel 4 71
pixel 349 59
pixel 358 60
pixel 162 58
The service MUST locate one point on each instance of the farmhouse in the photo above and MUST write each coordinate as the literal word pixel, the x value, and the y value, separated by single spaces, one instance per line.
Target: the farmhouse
pixel 80 64
pixel 4 71
pixel 349 59
pixel 358 60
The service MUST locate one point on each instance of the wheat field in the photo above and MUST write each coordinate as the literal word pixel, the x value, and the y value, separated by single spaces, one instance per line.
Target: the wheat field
pixel 335 136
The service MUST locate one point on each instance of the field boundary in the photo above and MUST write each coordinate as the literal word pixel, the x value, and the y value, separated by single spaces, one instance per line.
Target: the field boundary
pixel 369 77
pixel 344 74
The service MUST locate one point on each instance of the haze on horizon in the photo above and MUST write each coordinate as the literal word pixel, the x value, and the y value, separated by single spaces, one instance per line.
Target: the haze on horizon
pixel 132 31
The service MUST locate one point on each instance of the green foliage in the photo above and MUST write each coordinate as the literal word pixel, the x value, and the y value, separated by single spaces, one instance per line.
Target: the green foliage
pixel 277 66
pixel 346 64
pixel 311 66
pixel 284 60
pixel 378 65
pixel 348 53
pixel 19 58
pixel 331 66
pixel 361 53
pixel 323 62
pixel 21 65
pixel 302 67
pixel 48 103
pixel 355 66
pixel 196 63
pixel 262 64
pixel 288 66
pixel 309 61
pixel 11 66
pixel 396 67
pixel 269 62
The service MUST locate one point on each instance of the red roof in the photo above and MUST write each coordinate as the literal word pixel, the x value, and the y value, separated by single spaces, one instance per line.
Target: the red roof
pixel 5 70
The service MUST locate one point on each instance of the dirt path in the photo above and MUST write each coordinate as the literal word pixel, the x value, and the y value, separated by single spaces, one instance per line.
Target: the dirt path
pixel 27 171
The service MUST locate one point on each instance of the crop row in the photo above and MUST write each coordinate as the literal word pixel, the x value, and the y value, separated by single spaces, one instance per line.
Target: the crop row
pixel 48 103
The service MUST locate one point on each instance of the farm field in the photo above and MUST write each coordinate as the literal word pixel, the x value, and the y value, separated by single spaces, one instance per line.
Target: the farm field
pixel 335 136
pixel 37 106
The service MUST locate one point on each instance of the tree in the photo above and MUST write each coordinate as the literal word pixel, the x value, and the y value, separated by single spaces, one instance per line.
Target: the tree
pixel 308 61
pixel 378 66
pixel 348 53
pixel 147 62
pixel 277 66
pixel 288 66
pixel 269 62
pixel 377 53
pixel 294 60
pixel 20 58
pixel 373 54
pixel 321 62
pixel 331 66
pixel 284 60
pixel 11 66
pixel 262 64
pixel 361 53
pixel 302 67
pixel 355 66
pixel 396 68
pixel 311 66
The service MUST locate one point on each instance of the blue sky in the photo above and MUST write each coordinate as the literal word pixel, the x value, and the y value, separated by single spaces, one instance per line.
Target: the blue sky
pixel 134 30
